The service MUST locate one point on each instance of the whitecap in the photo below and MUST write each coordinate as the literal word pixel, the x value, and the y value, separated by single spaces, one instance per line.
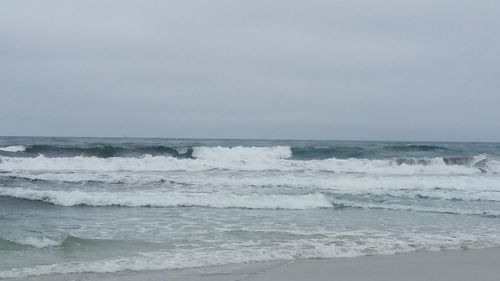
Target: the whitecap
pixel 13 148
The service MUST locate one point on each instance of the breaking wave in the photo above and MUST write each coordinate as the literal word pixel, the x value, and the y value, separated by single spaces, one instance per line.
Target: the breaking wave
pixel 416 147
pixel 455 188
pixel 169 199
pixel 252 159
pixel 155 198
pixel 58 241
pixel 35 242
pixel 182 152
pixel 321 153
pixel 106 151
pixel 13 148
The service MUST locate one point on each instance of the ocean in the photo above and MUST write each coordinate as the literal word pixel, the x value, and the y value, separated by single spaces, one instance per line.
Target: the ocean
pixel 101 205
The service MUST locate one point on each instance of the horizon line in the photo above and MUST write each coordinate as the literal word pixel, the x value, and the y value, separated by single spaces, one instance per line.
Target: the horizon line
pixel 254 139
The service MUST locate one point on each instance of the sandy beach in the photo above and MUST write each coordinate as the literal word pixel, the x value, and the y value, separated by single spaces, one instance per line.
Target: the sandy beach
pixel 451 265
pixel 460 265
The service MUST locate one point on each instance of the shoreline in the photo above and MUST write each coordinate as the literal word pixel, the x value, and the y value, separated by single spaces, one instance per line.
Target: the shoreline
pixel 456 265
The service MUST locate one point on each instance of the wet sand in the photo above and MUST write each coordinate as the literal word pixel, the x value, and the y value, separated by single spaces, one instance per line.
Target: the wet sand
pixel 480 265
pixel 463 265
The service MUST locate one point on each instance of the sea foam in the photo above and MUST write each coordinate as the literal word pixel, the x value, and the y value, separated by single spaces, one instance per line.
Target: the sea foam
pixel 253 161
pixel 13 148
pixel 169 199
pixel 39 242
pixel 319 248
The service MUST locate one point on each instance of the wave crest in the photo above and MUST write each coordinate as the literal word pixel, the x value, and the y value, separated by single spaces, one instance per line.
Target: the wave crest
pixel 321 153
pixel 35 242
pixel 255 159
pixel 416 148
pixel 170 199
pixel 106 151
pixel 13 148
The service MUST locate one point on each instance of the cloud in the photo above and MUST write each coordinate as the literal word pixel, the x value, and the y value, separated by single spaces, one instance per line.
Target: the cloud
pixel 280 69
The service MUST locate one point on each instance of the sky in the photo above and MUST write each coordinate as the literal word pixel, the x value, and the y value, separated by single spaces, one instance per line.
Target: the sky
pixel 351 70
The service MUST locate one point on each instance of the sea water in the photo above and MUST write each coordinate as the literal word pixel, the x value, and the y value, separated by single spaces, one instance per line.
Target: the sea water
pixel 76 205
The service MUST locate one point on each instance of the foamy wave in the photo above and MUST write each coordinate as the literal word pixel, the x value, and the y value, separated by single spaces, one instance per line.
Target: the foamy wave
pixel 466 188
pixel 234 254
pixel 155 198
pixel 13 148
pixel 439 194
pixel 242 153
pixel 345 183
pixel 254 162
pixel 39 242
pixel 170 199
pixel 35 242
pixel 339 203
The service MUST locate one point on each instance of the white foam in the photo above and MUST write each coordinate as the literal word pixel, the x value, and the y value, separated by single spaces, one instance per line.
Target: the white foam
pixel 235 253
pixel 241 153
pixel 476 187
pixel 401 207
pixel 38 242
pixel 247 161
pixel 13 148
pixel 169 199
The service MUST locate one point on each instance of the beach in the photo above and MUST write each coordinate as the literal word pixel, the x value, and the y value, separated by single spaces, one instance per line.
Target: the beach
pixel 458 265
pixel 249 140
pixel 429 266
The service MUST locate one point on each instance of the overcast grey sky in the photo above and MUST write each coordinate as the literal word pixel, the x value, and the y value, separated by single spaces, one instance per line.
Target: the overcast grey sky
pixel 392 70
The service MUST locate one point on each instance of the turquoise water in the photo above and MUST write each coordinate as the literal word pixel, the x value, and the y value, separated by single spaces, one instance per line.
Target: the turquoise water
pixel 72 205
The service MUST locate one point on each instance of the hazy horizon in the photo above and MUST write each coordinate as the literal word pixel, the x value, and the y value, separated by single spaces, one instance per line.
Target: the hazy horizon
pixel 254 139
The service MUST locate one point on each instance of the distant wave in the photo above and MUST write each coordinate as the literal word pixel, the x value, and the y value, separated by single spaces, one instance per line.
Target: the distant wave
pixel 105 151
pixel 478 161
pixel 240 153
pixel 170 199
pixel 287 152
pixel 416 147
pixel 109 151
pixel 13 148
pixel 320 153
